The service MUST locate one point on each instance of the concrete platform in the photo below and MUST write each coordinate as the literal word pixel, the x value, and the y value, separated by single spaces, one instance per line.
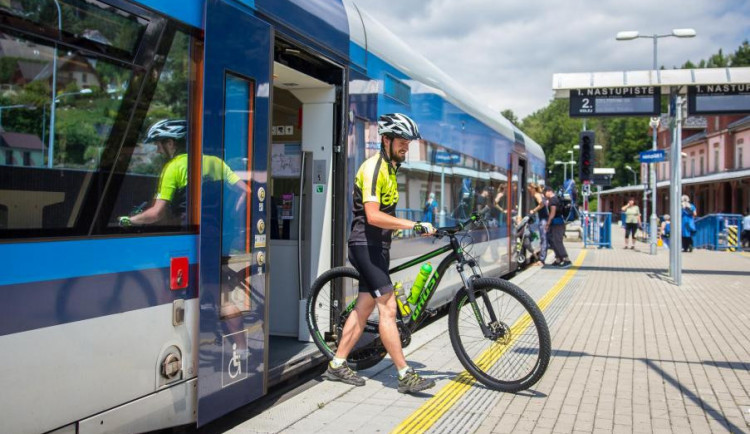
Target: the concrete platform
pixel 632 352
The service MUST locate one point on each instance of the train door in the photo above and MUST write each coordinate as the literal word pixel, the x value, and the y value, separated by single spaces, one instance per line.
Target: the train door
pixel 233 308
pixel 303 127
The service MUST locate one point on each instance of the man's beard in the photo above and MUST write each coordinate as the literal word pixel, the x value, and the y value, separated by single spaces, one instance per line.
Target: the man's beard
pixel 397 158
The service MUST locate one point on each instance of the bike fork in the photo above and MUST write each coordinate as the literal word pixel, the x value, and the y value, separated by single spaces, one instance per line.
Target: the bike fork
pixel 469 285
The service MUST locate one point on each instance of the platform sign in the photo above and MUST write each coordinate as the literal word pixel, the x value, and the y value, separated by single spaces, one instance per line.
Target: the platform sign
pixel 653 156
pixel 615 101
pixel 603 179
pixel 442 157
pixel 714 99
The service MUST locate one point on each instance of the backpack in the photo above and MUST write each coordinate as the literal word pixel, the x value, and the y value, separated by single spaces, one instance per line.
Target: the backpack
pixel 568 210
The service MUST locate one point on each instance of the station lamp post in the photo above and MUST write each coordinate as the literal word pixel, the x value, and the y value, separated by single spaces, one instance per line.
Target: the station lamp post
pixel 51 146
pixel 633 34
pixel 565 167
pixel 628 168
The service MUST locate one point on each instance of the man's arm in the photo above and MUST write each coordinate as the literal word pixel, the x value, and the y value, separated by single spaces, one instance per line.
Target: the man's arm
pixel 243 189
pixel 378 218
pixel 552 212
pixel 152 215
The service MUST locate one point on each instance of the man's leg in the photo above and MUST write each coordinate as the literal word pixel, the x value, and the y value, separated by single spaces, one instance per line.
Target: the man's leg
pixel 388 330
pixel 338 370
pixel 355 324
pixel 408 380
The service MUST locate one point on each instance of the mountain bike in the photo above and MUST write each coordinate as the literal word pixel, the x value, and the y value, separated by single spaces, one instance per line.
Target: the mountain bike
pixel 497 331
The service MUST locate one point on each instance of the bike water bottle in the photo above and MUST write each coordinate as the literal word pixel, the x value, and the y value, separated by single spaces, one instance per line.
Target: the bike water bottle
pixel 419 282
pixel 403 306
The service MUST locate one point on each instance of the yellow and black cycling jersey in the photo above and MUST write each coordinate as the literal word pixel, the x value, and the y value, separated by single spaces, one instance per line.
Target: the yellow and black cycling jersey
pixel 174 180
pixel 375 182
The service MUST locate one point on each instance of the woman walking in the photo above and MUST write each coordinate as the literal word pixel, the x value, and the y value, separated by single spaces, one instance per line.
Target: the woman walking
pixel 632 221
pixel 542 212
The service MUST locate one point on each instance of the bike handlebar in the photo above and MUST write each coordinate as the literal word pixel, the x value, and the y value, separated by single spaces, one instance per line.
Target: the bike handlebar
pixel 450 230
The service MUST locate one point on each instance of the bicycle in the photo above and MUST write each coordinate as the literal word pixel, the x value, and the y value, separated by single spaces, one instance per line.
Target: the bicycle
pixel 497 331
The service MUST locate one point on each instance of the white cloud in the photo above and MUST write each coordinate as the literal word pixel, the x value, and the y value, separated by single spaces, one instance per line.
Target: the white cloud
pixel 506 52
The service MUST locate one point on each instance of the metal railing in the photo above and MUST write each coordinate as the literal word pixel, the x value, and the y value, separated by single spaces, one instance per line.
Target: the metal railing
pixel 597 229
pixel 718 232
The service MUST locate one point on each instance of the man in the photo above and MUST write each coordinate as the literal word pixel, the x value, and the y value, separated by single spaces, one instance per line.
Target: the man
pixel 556 228
pixel 746 229
pixel 374 207
pixel 170 201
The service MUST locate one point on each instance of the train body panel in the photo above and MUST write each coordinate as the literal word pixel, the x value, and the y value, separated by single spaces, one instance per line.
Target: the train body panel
pixel 86 367
pixel 107 325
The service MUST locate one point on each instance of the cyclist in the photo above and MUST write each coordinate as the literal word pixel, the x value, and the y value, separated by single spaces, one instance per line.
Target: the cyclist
pixel 374 207
pixel 170 201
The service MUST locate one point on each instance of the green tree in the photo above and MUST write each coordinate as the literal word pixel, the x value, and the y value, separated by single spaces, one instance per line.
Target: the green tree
pixel 509 115
pixel 741 57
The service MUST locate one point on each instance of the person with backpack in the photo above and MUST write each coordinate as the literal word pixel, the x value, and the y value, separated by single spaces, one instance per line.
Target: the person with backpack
pixel 556 228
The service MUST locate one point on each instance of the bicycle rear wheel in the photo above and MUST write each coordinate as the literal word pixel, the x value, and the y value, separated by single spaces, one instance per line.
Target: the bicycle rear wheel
pixel 326 317
pixel 517 352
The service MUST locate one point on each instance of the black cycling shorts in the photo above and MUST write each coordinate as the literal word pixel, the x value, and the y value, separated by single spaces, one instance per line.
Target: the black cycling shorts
pixel 372 262
pixel 631 228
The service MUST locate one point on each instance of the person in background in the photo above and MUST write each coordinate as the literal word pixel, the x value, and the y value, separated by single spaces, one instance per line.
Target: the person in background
pixel 632 221
pixel 666 229
pixel 688 223
pixel 746 228
pixel 556 228
pixel 430 209
pixel 543 213
pixel 497 205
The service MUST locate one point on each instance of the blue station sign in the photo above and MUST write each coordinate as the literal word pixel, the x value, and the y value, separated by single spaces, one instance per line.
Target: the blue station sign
pixel 442 157
pixel 653 156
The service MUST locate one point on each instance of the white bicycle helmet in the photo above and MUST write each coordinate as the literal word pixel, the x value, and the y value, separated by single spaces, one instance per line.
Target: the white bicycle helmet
pixel 399 125
pixel 167 129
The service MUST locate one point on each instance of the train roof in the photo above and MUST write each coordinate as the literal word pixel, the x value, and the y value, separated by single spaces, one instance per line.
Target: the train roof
pixel 374 37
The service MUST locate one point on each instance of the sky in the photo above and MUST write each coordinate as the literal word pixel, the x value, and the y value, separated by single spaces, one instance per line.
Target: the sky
pixel 506 52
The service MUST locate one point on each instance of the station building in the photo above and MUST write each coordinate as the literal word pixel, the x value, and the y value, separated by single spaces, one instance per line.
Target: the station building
pixel 715 167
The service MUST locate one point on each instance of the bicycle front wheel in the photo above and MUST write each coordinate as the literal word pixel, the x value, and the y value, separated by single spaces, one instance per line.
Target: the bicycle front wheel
pixel 515 351
pixel 326 316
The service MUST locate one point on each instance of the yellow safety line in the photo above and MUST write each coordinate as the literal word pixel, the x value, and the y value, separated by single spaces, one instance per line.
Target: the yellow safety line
pixel 432 410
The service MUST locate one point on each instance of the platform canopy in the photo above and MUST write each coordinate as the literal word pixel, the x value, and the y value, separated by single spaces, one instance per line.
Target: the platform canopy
pixel 563 83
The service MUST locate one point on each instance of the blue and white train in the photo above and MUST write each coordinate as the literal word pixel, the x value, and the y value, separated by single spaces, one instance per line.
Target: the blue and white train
pixel 196 312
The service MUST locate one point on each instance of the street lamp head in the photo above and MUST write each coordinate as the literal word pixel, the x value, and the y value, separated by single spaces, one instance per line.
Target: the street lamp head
pixel 558 162
pixel 628 167
pixel 683 33
pixel 627 35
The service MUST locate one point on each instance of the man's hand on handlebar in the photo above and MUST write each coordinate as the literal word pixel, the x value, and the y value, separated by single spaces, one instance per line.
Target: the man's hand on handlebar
pixel 424 228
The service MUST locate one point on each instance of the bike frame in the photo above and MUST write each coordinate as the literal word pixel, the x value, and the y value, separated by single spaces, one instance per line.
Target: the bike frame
pixel 457 256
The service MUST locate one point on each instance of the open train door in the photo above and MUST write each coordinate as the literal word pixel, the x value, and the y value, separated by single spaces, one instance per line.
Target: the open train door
pixel 233 291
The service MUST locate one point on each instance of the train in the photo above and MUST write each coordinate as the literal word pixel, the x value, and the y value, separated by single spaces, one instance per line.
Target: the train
pixel 174 175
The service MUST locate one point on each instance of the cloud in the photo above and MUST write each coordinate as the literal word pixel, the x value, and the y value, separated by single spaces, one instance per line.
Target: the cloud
pixel 506 52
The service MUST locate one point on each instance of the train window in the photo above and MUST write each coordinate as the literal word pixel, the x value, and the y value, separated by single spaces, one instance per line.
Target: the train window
pixel 154 192
pixel 89 22
pixel 64 115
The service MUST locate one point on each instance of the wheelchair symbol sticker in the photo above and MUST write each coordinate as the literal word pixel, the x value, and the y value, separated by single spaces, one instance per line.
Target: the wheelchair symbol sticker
pixel 234 358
